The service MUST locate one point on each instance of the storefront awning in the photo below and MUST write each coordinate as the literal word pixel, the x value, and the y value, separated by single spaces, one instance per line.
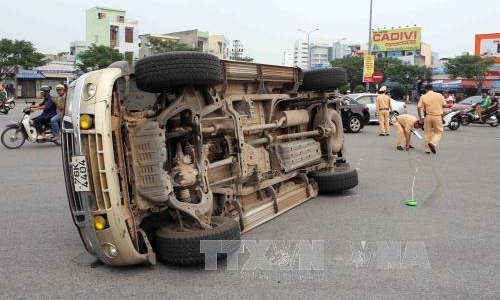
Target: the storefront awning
pixel 470 83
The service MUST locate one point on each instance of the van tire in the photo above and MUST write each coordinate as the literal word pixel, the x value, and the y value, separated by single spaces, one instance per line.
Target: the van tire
pixel 183 247
pixel 336 181
pixel 324 79
pixel 160 72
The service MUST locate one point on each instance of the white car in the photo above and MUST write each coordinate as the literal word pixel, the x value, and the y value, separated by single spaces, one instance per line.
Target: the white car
pixel 369 100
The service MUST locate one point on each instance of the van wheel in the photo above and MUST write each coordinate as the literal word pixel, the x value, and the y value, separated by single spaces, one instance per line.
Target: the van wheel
pixel 323 79
pixel 340 179
pixel 159 72
pixel 178 247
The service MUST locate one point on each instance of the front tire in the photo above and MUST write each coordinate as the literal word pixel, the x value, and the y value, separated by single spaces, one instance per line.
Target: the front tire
pixel 465 121
pixel 12 105
pixel 178 247
pixel 354 124
pixel 12 138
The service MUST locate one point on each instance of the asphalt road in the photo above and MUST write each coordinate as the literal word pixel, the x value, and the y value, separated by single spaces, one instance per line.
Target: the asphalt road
pixel 372 246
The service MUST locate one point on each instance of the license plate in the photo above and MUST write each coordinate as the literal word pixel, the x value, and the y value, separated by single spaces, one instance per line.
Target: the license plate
pixel 80 173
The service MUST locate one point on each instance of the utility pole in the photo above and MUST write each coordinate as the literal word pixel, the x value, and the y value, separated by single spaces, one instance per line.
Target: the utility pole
pixel 308 46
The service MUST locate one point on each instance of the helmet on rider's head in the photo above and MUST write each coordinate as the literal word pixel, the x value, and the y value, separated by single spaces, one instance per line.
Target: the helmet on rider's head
pixel 60 87
pixel 45 88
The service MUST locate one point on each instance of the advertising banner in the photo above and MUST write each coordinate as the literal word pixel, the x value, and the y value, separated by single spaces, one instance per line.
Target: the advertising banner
pixel 488 45
pixel 368 67
pixel 396 39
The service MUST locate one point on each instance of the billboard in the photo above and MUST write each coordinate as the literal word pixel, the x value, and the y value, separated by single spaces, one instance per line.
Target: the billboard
pixel 396 39
pixel 368 67
pixel 488 45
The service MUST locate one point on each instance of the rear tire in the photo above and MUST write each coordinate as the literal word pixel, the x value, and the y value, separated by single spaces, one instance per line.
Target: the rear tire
pixel 12 105
pixel 465 121
pixel 163 71
pixel 339 180
pixel 354 124
pixel 454 123
pixel 178 247
pixel 324 79
pixel 12 138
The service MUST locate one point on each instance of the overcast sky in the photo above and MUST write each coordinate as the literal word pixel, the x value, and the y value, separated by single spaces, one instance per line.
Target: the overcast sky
pixel 265 27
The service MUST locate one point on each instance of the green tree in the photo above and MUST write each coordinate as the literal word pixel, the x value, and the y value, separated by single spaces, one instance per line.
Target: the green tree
pixel 18 53
pixel 354 68
pixel 98 57
pixel 472 67
pixel 161 46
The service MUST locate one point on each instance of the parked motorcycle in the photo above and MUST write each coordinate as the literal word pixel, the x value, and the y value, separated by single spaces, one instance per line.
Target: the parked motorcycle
pixel 8 105
pixel 490 117
pixel 17 133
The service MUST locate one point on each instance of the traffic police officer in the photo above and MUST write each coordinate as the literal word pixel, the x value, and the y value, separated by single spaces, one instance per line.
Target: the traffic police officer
pixel 432 104
pixel 383 108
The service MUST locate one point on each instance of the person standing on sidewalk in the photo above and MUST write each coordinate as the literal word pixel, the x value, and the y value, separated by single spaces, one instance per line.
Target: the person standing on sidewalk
pixel 432 104
pixel 404 124
pixel 383 108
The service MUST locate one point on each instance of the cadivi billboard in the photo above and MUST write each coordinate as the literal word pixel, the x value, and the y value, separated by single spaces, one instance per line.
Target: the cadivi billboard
pixel 488 45
pixel 396 39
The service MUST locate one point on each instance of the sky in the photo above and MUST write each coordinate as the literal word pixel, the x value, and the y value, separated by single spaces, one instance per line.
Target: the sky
pixel 265 27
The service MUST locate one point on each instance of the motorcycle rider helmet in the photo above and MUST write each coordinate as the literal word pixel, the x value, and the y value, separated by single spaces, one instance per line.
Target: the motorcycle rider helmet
pixel 45 88
pixel 60 87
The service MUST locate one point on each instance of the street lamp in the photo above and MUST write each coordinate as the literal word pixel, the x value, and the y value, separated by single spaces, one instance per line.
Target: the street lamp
pixel 308 45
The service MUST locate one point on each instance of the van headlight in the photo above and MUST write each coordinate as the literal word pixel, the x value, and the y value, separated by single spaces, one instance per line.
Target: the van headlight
pixel 89 91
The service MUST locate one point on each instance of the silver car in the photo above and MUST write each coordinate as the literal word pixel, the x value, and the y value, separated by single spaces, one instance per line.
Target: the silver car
pixel 369 100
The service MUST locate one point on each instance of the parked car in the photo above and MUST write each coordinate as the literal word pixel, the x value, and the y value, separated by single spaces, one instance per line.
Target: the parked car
pixel 369 100
pixel 466 103
pixel 354 116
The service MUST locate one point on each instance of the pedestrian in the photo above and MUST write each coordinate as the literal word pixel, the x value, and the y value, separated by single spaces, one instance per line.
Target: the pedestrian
pixel 55 121
pixel 404 124
pixel 432 104
pixel 383 108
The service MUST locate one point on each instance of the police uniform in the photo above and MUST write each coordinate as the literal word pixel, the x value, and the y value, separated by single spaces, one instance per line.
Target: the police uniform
pixel 432 103
pixel 403 124
pixel 383 109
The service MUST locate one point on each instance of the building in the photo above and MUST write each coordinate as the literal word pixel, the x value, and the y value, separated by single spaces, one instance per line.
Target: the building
pixel 145 48
pixel 287 58
pixel 109 27
pixel 345 47
pixel 75 49
pixel 321 53
pixel 195 38
pixel 218 45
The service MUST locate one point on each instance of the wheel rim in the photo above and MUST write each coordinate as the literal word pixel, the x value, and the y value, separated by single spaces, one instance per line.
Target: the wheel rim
pixel 12 138
pixel 355 124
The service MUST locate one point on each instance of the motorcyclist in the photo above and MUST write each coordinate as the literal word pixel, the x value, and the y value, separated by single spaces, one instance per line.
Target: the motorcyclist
pixel 56 120
pixel 3 97
pixel 482 106
pixel 49 110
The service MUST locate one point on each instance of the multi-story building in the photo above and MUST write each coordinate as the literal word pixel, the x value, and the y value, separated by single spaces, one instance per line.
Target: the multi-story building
pixel 75 48
pixel 109 27
pixel 193 38
pixel 321 53
pixel 345 47
pixel 145 48
pixel 218 45
pixel 287 58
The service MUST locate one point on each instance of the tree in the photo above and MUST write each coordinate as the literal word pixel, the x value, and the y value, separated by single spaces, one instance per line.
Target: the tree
pixel 18 53
pixel 161 46
pixel 354 68
pixel 98 57
pixel 470 66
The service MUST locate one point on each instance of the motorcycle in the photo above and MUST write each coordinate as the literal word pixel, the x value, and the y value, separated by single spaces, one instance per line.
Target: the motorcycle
pixel 17 133
pixel 8 105
pixel 452 120
pixel 490 117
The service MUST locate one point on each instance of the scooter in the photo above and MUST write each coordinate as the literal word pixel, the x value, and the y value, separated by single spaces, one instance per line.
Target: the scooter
pixel 490 117
pixel 17 133
pixel 452 120
pixel 8 105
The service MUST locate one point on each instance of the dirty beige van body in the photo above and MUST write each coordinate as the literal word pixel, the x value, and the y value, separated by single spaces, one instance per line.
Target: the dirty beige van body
pixel 188 147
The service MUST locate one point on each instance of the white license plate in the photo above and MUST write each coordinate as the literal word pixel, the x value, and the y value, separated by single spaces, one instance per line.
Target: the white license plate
pixel 80 173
